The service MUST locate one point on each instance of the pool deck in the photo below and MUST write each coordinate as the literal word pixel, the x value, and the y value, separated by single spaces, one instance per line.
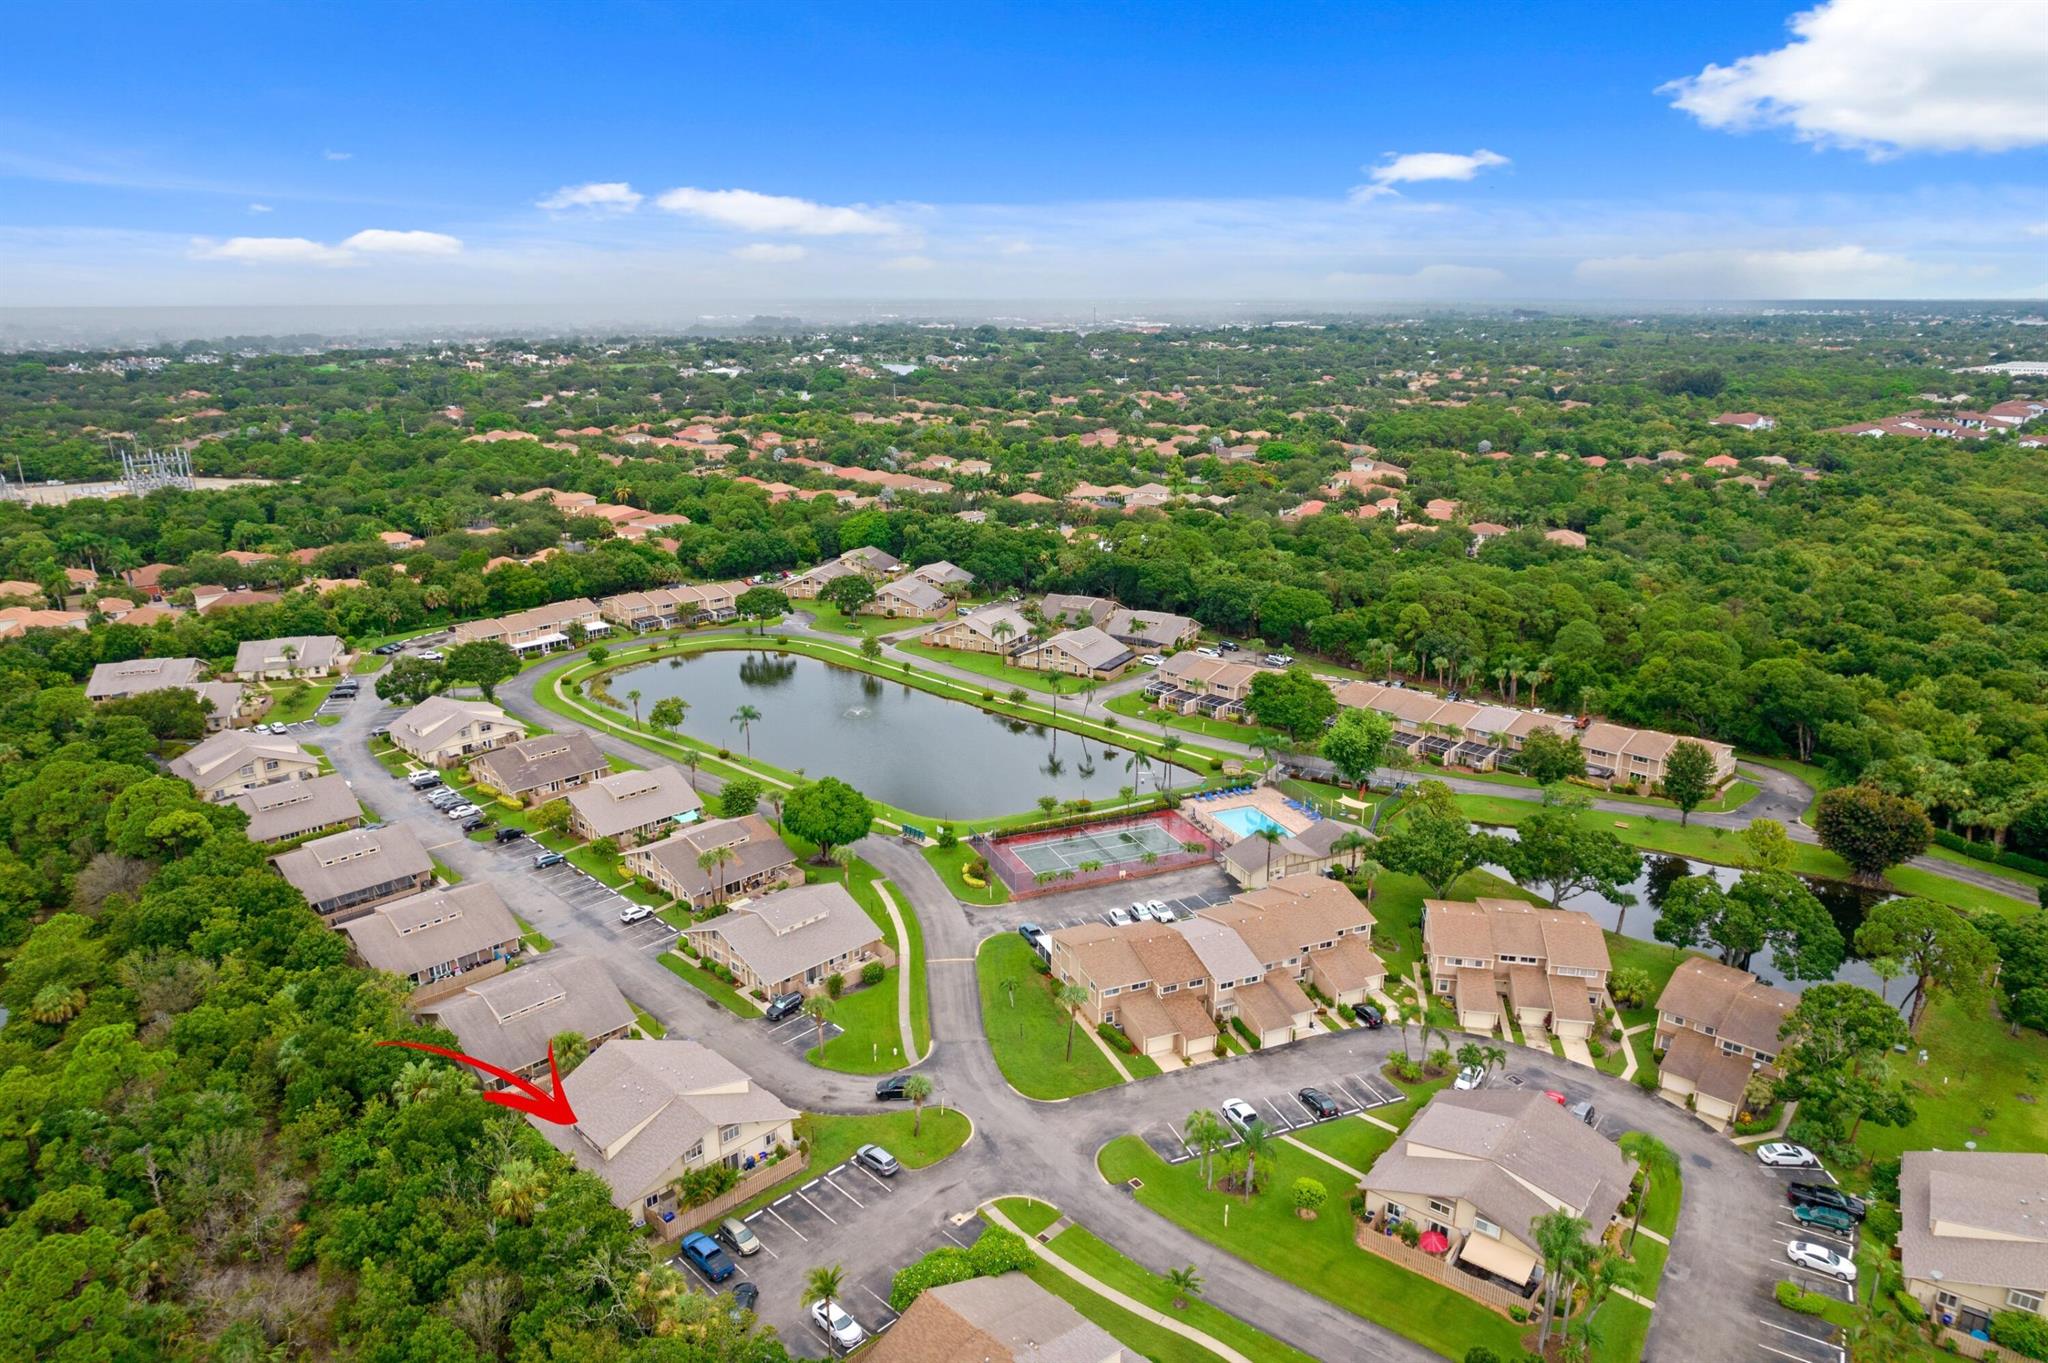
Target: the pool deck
pixel 1264 799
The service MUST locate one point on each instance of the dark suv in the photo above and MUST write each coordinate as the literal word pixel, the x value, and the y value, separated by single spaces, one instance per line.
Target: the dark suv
pixel 894 1089
pixel 1824 1195
pixel 1320 1103
pixel 783 1005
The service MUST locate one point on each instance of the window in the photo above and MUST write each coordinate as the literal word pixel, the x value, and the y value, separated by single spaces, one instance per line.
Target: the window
pixel 2023 1301
pixel 1710 1031
pixel 1169 989
pixel 1440 1208
pixel 1112 991
pixel 652 1199
pixel 1729 1047
pixel 694 1153
pixel 1481 1226
pixel 1946 1300
pixel 728 1134
pixel 1767 1059
pixel 1194 984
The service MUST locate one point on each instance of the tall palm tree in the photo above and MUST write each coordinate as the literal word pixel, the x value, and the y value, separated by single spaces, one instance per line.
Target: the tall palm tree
pixel 818 1009
pixel 745 717
pixel 1071 997
pixel 1203 1133
pixel 1657 1161
pixel 823 1284
pixel 918 1089
pixel 1256 1144
pixel 1536 676
pixel 1139 763
pixel 1271 837
pixel 634 696
pixel 1559 1237
pixel 1001 631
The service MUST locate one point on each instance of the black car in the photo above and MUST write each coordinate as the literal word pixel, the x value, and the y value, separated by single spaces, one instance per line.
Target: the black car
pixel 508 835
pixel 1823 1195
pixel 472 825
pixel 784 1005
pixel 1320 1103
pixel 1370 1016
pixel 1225 646
pixel 745 1297
pixel 896 1088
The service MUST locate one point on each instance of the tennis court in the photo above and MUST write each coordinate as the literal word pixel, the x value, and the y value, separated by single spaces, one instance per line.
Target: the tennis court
pixel 1059 859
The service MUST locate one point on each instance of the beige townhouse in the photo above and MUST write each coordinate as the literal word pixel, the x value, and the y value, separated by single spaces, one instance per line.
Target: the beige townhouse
pixel 745 856
pixel 298 809
pixel 236 761
pixel 535 770
pixel 511 1019
pixel 793 941
pixel 1717 1029
pixel 438 939
pixel 1549 965
pixel 999 630
pixel 1087 652
pixel 345 874
pixel 635 807
pixel 1973 1234
pixel 445 731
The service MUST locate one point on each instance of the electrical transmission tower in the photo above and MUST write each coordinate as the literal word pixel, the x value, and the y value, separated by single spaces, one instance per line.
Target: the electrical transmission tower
pixel 153 470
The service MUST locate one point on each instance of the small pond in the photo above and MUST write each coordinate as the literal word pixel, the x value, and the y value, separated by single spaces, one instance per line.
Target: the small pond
pixel 892 742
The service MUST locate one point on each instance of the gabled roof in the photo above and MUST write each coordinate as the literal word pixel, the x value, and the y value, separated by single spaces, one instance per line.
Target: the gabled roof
pixel 1004 1319
pixel 914 590
pixel 141 674
pixel 289 808
pixel 1975 1217
pixel 437 719
pixel 327 868
pixel 310 653
pixel 1090 647
pixel 227 750
pixel 541 760
pixel 509 1019
pixel 433 928
pixel 785 933
pixel 1735 1003
pixel 630 799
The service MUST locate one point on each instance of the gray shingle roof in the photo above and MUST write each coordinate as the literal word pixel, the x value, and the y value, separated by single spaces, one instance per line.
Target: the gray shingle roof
pixel 756 850
pixel 432 722
pixel 629 799
pixel 290 808
pixel 786 933
pixel 310 653
pixel 138 675
pixel 543 760
pixel 433 928
pixel 509 1019
pixel 327 868
pixel 1090 647
pixel 206 761
pixel 1993 1194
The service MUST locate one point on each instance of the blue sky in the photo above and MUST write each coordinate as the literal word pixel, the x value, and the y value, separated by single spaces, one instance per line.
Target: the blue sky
pixel 698 155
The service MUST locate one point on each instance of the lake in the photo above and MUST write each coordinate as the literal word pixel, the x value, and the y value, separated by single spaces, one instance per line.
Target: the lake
pixel 892 742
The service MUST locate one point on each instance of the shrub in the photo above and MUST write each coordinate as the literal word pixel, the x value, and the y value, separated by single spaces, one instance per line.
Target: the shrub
pixel 2025 1333
pixel 1244 1033
pixel 835 984
pixel 944 1265
pixel 1479 1353
pixel 1793 1297
pixel 872 972
pixel 1215 764
pixel 1309 1196
pixel 1596 1048
pixel 1000 1251
pixel 1405 1068
pixel 1117 1040
pixel 1909 1306
pixel 1439 1061
pixel 1646 1079
pixel 1409 1233
pixel 1040 964
pixel 947 837
pixel 1347 1012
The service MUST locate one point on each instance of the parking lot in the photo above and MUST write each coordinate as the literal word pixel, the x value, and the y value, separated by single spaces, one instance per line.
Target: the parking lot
pixel 817 1224
pixel 800 1033
pixel 1783 1334
pixel 1282 1111
pixel 593 900
pixel 1182 906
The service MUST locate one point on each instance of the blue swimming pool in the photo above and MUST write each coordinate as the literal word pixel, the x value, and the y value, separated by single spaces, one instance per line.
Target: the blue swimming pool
pixel 1246 821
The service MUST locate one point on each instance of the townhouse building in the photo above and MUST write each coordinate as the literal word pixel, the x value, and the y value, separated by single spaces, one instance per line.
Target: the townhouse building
pixel 1497 959
pixel 1717 1030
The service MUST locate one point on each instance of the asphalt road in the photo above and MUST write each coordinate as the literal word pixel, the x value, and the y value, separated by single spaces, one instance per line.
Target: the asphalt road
pixel 1717 1282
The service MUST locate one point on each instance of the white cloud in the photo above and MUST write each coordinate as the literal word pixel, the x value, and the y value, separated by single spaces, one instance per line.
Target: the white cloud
pixel 1416 167
pixel 383 241
pixel 1887 76
pixel 769 252
pixel 909 264
pixel 339 155
pixel 270 251
pixel 259 208
pixel 374 241
pixel 1431 281
pixel 609 196
pixel 1850 271
pixel 748 211
pixel 2038 229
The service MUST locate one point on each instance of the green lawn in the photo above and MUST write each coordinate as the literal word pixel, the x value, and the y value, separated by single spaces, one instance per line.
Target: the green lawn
pixel 532 936
pixel 1978 1084
pixel 649 1023
pixel 1318 1256
pixel 710 985
pixel 1655 959
pixel 949 861
pixel 1135 706
pixel 828 617
pixel 292 702
pixel 611 872
pixel 1105 1264
pixel 1029 1039
pixel 1349 1140
pixel 871 1043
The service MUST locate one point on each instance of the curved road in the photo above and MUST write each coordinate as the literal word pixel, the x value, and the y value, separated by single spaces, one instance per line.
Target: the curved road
pixel 1047 1150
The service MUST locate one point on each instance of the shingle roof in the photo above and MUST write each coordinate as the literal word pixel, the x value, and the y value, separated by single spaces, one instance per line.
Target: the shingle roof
pixel 1699 1059
pixel 138 675
pixel 919 593
pixel 641 1104
pixel 1733 1002
pixel 509 1019
pixel 327 868
pixel 229 749
pixel 785 933
pixel 629 799
pixel 1486 928
pixel 755 846
pixel 289 808
pixel 433 928
pixel 436 719
pixel 310 653
pixel 1503 1144
pixel 2002 1198
pixel 1089 646
pixel 544 760
pixel 1003 1319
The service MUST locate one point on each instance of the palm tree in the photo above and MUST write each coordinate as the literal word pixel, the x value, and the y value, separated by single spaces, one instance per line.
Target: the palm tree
pixel 1203 1132
pixel 1559 1236
pixel 420 1079
pixel 818 1009
pixel 1405 1016
pixel 1185 1282
pixel 1536 676
pixel 823 1285
pixel 517 1189
pixel 1140 763
pixel 1001 631
pixel 918 1089
pixel 55 1004
pixel 1071 997
pixel 1255 1144
pixel 1271 837
pixel 745 717
pixel 634 696
pixel 1657 1161
pixel 776 795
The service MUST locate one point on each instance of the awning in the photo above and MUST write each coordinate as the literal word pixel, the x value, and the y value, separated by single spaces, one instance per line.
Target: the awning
pixel 1483 1251
pixel 542 641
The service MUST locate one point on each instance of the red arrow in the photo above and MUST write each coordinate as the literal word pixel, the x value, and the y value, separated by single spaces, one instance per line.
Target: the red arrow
pixel 549 1107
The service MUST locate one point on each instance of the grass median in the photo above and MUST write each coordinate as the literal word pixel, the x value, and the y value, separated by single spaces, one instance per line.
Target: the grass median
pixel 1027 1030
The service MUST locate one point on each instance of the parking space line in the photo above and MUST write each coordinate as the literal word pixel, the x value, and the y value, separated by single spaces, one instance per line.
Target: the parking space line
pixel 865 1170
pixel 812 1205
pixel 954 1238
pixel 843 1193
pixel 785 1225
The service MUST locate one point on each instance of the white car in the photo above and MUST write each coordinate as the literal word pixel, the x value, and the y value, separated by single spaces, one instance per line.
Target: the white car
pixel 431 655
pixel 1471 1077
pixel 1207 652
pixel 633 913
pixel 1160 913
pixel 843 1330
pixel 464 811
pixel 1786 1155
pixel 1241 1115
pixel 1120 918
pixel 1153 660
pixel 1821 1259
